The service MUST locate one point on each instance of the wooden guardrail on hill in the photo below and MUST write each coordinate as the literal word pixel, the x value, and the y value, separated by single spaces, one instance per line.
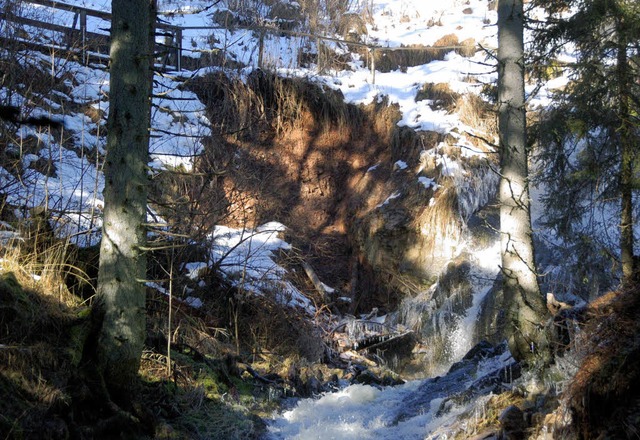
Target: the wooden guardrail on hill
pixel 78 40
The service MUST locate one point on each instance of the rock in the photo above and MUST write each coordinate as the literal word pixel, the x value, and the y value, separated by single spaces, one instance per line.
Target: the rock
pixel 487 435
pixel 482 349
pixel 313 386
pixel 464 382
pixel 513 423
pixel 368 378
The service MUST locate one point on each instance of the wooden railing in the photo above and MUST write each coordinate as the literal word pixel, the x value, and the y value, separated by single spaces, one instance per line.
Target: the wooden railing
pixel 78 39
pixel 170 54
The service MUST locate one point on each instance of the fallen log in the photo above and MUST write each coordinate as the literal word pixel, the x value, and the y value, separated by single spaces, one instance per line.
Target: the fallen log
pixel 320 287
pixel 380 341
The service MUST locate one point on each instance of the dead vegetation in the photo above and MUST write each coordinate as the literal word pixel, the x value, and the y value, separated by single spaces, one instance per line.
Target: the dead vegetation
pixel 603 399
pixel 416 55
pixel 41 338
pixel 440 94
pixel 206 372
pixel 267 104
pixel 192 371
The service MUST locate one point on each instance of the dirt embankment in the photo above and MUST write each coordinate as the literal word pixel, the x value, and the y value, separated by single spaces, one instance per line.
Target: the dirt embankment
pixel 290 151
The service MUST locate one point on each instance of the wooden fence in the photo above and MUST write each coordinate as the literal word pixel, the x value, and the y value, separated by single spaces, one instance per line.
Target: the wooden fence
pixel 78 40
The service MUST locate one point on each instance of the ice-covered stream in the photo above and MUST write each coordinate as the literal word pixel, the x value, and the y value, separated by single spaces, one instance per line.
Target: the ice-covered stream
pixel 421 409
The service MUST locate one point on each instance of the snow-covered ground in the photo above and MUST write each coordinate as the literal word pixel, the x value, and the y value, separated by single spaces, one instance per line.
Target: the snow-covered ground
pixel 250 255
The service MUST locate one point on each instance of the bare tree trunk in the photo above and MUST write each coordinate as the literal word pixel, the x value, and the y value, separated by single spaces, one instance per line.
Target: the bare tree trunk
pixel 525 309
pixel 627 156
pixel 120 308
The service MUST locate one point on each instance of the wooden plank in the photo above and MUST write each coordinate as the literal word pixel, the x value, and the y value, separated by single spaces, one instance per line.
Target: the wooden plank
pixel 74 53
pixel 90 12
pixel 386 341
pixel 101 38
pixel 71 8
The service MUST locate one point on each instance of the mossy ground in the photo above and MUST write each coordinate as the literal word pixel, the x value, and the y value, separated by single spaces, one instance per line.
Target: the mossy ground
pixel 45 390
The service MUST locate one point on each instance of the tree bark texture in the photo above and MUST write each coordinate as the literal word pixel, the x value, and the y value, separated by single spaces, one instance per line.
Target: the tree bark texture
pixel 121 293
pixel 623 73
pixel 524 308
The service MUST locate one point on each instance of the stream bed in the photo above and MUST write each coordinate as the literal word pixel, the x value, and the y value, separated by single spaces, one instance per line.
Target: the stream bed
pixel 421 409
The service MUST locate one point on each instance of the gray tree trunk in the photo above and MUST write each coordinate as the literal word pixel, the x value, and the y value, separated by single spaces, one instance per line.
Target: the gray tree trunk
pixel 121 293
pixel 623 74
pixel 524 308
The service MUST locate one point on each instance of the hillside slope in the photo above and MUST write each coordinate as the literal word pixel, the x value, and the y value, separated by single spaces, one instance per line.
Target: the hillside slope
pixel 265 173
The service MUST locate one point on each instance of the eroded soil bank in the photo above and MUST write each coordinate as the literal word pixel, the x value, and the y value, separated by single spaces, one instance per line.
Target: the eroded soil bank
pixel 290 151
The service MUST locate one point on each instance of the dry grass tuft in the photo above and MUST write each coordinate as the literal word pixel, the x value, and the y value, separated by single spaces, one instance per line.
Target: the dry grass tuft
pixel 353 26
pixel 269 102
pixel 407 143
pixel 43 264
pixel 418 54
pixel 385 118
pixel 201 330
pixel 489 420
pixel 441 95
pixel 477 113
pixel 268 327
pixel 41 341
pixel 447 41
pixel 604 395
pixel 441 222
pixel 468 49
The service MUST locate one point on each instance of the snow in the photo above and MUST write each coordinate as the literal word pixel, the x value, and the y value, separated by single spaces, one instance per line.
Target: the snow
pixel 191 301
pixel 445 14
pixel 195 270
pixel 401 165
pixel 402 87
pixel 428 183
pixel 248 258
pixel 395 195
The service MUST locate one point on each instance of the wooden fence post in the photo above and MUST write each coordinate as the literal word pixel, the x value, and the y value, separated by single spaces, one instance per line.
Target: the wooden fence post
pixel 83 36
pixel 319 56
pixel 261 49
pixel 372 51
pixel 178 48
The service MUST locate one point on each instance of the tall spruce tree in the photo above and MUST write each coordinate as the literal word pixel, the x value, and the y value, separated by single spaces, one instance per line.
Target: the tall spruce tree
pixel 588 141
pixel 524 305
pixel 120 308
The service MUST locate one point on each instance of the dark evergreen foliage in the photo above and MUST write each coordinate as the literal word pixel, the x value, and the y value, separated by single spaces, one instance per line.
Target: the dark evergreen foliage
pixel 587 140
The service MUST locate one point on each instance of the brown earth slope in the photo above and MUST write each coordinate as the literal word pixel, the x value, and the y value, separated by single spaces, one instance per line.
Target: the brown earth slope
pixel 293 152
